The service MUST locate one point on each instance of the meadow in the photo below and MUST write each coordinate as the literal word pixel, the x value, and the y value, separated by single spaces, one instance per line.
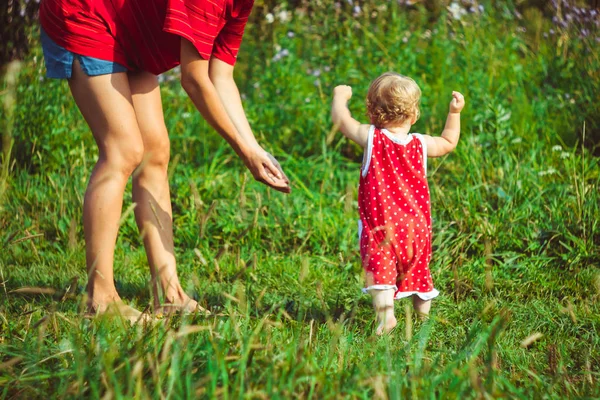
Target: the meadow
pixel 516 215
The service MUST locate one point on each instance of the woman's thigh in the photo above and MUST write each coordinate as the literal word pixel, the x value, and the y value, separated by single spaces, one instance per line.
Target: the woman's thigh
pixel 105 101
pixel 147 104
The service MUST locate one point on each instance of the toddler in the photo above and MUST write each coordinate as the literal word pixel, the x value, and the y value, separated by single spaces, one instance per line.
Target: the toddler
pixel 393 195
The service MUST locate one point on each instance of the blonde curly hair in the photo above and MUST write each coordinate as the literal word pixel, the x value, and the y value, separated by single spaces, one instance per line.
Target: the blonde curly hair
pixel 393 99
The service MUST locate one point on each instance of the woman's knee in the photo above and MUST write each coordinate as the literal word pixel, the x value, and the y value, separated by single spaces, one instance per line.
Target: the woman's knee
pixel 123 158
pixel 157 150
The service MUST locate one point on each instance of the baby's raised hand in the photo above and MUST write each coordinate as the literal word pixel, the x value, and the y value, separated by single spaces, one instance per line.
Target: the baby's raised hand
pixel 343 92
pixel 457 103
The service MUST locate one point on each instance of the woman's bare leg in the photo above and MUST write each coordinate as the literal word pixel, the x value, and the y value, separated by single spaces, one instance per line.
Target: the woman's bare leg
pixel 151 194
pixel 105 102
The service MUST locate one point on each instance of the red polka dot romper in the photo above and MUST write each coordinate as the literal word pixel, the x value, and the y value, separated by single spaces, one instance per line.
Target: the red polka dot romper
pixel 395 217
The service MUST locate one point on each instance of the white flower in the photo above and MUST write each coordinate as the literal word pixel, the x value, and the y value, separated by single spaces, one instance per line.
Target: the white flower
pixel 283 16
pixel 280 54
pixel 186 115
pixel 269 18
pixel 565 154
pixel 557 148
pixel 456 10
pixel 550 171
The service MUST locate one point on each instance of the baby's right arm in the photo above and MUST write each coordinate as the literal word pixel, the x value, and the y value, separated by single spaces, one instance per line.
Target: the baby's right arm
pixel 342 119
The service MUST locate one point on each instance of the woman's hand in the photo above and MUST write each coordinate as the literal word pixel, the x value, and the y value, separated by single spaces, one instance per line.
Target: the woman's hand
pixel 266 169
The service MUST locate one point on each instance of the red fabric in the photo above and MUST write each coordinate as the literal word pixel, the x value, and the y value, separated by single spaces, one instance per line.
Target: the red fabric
pixel 143 34
pixel 394 206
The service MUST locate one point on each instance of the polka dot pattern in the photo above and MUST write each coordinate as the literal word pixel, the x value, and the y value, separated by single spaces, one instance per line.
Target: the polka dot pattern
pixel 394 206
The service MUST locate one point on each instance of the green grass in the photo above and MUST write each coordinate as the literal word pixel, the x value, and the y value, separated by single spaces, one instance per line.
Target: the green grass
pixel 516 227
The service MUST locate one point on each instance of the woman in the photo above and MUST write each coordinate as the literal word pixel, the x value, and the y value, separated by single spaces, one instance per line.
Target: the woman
pixel 111 51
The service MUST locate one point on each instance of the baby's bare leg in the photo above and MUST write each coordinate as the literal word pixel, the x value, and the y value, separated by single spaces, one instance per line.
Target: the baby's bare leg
pixel 422 307
pixel 383 303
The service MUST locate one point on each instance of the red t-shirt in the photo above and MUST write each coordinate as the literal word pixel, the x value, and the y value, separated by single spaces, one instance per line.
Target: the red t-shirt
pixel 145 34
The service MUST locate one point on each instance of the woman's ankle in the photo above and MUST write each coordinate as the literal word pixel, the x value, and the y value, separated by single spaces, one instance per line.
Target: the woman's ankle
pixel 98 301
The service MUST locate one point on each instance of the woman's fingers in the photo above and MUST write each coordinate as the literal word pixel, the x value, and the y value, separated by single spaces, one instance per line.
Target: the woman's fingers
pixel 276 164
pixel 275 183
pixel 267 170
pixel 271 168
pixel 267 177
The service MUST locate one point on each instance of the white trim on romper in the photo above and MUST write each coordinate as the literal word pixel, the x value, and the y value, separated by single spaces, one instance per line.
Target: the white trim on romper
pixel 424 144
pixel 401 295
pixel 368 151
pixel 379 287
pixel 422 295
pixel 395 139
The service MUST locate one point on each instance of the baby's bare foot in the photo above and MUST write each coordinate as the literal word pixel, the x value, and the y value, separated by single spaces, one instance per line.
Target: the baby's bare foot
pixel 423 316
pixel 386 325
pixel 383 302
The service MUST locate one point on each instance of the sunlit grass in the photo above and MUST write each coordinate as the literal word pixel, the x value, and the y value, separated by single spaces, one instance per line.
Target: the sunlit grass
pixel 515 209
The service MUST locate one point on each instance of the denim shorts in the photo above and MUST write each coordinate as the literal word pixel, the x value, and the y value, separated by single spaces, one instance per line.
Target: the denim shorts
pixel 59 61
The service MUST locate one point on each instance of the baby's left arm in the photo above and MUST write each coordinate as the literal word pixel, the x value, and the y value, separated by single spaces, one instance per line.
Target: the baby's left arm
pixel 438 146
pixel 342 119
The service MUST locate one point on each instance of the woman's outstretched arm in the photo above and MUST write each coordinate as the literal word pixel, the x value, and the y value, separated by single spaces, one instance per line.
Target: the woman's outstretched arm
pixel 220 104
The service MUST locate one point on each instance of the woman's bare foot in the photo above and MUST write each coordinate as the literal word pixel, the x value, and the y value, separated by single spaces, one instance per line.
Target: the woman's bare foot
pixel 181 304
pixel 118 309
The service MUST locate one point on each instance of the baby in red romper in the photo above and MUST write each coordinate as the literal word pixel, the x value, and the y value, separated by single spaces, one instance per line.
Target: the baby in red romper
pixel 393 195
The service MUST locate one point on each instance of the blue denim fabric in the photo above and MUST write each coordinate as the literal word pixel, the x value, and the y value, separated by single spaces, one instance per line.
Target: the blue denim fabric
pixel 59 61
